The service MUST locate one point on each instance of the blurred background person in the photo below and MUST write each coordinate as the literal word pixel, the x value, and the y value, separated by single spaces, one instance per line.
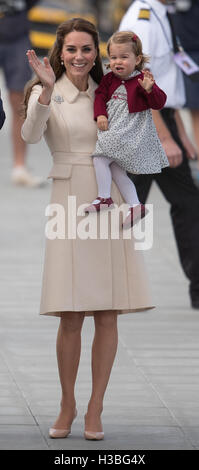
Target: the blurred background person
pixel 14 42
pixel 186 22
pixel 151 22
pixel 2 114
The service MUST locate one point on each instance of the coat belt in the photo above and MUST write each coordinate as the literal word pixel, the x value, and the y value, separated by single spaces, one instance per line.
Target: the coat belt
pixel 64 163
pixel 73 158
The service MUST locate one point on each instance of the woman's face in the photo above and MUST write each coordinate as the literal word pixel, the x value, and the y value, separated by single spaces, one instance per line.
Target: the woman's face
pixel 78 54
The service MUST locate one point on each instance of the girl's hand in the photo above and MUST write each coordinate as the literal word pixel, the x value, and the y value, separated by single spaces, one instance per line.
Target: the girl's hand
pixel 43 71
pixel 102 123
pixel 148 81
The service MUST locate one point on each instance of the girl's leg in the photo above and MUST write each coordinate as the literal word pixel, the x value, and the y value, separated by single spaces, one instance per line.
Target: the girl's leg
pixel 103 175
pixel 68 355
pixel 124 184
pixel 103 353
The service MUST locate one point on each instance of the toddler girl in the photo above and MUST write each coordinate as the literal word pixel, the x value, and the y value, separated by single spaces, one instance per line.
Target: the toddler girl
pixel 127 137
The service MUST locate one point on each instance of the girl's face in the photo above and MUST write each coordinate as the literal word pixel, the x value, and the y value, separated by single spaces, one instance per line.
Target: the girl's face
pixel 122 59
pixel 78 54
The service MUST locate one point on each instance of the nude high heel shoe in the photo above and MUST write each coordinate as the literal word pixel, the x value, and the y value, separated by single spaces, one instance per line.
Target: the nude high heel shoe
pixel 60 433
pixel 93 436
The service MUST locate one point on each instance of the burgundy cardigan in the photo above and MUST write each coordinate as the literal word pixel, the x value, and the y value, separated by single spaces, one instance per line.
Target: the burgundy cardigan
pixel 138 98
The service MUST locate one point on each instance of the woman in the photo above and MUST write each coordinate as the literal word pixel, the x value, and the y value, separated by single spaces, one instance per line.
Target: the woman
pixel 83 276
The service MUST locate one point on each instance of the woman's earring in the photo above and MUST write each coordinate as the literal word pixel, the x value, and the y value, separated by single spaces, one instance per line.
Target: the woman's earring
pixel 94 64
pixel 62 62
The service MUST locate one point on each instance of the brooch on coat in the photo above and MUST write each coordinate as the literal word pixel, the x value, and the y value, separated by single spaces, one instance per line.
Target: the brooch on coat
pixel 58 99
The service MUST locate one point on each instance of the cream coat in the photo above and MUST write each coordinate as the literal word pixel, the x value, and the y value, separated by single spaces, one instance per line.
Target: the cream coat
pixel 81 274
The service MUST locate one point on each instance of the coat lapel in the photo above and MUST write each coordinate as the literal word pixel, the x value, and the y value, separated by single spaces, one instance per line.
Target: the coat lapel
pixel 64 89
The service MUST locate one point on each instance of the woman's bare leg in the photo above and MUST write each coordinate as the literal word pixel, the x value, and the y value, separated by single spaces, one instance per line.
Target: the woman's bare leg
pixel 103 354
pixel 68 356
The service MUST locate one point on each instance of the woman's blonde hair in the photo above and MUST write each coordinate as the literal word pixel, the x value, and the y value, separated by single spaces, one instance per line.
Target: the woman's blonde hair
pixel 122 37
pixel 75 24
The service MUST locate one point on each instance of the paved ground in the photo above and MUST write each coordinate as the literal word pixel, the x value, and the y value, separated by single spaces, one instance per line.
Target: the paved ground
pixel 152 400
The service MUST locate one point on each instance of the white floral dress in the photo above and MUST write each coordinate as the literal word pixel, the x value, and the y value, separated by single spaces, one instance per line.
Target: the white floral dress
pixel 131 139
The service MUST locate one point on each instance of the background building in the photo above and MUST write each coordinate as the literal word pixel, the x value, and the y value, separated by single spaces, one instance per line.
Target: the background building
pixel 46 16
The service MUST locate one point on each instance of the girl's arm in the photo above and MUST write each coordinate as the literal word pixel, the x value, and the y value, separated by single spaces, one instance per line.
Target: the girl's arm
pixel 101 98
pixel 156 98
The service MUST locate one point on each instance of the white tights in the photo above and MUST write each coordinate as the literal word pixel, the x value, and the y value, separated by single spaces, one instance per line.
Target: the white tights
pixel 106 170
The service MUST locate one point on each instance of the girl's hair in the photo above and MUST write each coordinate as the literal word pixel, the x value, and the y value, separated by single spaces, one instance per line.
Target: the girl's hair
pixel 75 24
pixel 122 37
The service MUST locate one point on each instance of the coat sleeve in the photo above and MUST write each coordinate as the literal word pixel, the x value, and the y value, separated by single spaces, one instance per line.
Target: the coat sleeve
pixel 35 123
pixel 156 99
pixel 2 114
pixel 101 98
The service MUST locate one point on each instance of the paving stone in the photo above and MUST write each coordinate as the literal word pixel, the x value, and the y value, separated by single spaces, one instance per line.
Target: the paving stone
pixel 21 438
pixel 15 411
pixel 128 437
pixel 193 434
pixel 17 420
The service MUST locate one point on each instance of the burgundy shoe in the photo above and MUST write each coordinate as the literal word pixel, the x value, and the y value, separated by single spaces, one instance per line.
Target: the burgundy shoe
pixel 134 215
pixel 99 204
